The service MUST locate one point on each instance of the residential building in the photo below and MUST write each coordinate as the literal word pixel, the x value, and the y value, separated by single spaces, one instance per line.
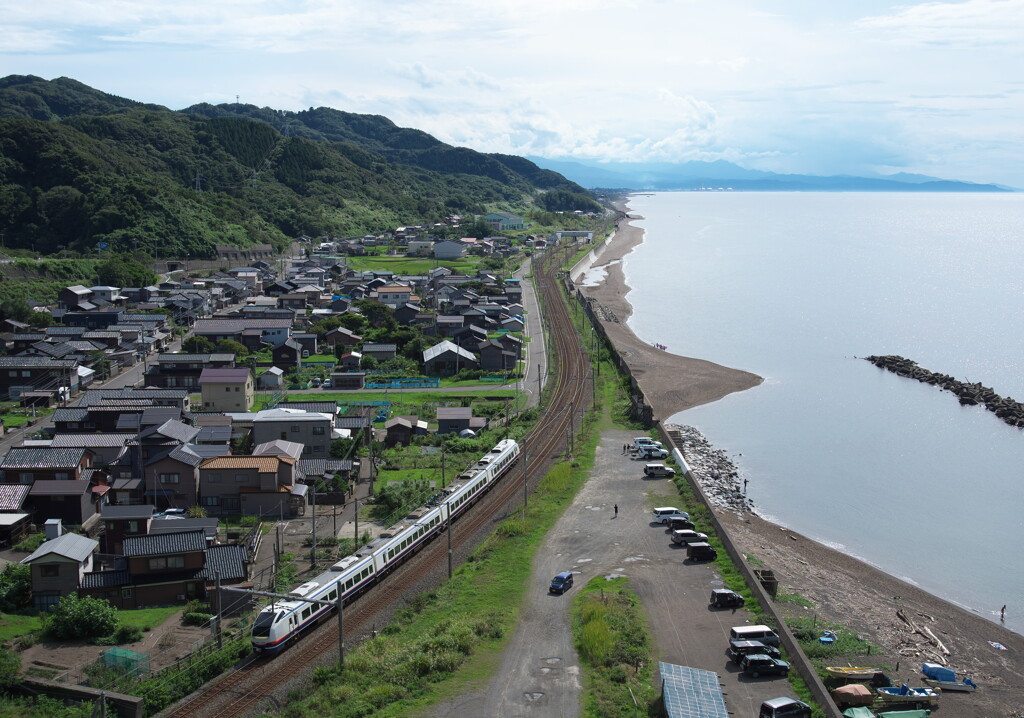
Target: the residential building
pixel 227 389
pixel 27 465
pixel 183 370
pixel 251 485
pixel 446 359
pixel 58 566
pixel 26 373
pixel 311 429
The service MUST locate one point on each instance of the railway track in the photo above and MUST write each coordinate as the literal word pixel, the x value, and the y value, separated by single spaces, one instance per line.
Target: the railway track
pixel 256 681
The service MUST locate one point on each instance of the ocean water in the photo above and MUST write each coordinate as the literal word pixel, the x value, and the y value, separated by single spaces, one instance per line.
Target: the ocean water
pixel 795 287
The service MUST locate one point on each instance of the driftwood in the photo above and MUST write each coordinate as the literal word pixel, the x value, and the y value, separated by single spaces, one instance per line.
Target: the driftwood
pixel 923 631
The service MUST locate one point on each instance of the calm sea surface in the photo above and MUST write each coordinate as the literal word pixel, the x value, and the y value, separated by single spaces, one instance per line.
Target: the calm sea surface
pixel 795 287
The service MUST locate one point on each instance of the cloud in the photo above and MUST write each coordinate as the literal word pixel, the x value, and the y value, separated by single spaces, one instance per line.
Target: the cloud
pixel 428 78
pixel 962 25
pixel 18 39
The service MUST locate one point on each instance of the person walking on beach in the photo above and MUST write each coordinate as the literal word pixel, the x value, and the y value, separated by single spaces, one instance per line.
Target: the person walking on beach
pixel 1002 613
pixel 623 448
pixel 617 516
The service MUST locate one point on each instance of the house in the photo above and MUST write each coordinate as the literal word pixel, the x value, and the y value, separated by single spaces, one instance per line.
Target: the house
pixel 27 465
pixel 250 332
pixel 513 324
pixel 494 357
pixel 272 378
pixel 227 389
pixel 348 380
pixel 502 221
pixel 183 370
pixel 401 429
pixel 380 352
pixel 453 419
pixel 394 295
pixel 167 567
pixel 73 502
pixel 449 250
pixel 260 485
pixel 341 335
pixel 106 448
pixel 170 472
pixel 58 566
pixel 288 355
pixel 311 429
pixel 350 361
pixel 446 359
pixel 120 522
pixel 25 373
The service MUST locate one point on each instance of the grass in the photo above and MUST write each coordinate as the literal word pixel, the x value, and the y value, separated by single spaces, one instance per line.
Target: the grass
pixel 13 625
pixel 611 637
pixel 412 265
pixel 146 618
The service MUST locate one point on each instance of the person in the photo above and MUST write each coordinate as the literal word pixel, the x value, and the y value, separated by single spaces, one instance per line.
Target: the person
pixel 1002 613
pixel 617 513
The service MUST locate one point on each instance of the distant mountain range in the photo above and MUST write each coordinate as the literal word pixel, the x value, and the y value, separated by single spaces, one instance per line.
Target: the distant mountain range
pixel 726 175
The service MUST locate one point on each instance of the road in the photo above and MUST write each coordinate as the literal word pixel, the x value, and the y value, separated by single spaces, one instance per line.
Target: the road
pixel 539 675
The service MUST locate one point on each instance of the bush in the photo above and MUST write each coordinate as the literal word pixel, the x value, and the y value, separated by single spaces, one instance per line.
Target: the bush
pixel 31 543
pixel 15 587
pixel 127 634
pixel 10 665
pixel 196 619
pixel 80 617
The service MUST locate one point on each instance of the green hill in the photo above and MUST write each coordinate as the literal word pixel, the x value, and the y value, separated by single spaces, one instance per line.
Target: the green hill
pixel 80 167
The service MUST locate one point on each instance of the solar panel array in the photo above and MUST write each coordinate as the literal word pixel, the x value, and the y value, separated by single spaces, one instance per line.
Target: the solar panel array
pixel 691 692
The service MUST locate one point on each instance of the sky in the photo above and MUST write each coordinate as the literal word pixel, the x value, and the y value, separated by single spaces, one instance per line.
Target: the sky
pixel 793 86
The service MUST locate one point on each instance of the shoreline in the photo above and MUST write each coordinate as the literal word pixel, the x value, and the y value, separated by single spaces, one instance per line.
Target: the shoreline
pixel 843 589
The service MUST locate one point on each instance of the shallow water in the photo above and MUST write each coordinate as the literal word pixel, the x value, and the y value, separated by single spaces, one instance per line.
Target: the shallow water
pixel 795 287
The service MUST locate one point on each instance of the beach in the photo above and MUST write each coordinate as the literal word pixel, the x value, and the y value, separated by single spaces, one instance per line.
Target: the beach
pixel 841 589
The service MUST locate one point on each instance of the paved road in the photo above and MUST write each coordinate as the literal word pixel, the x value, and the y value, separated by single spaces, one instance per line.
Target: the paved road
pixel 540 676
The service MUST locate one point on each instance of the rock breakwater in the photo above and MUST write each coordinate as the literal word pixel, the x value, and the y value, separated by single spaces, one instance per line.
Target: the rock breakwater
pixel 712 468
pixel 1010 411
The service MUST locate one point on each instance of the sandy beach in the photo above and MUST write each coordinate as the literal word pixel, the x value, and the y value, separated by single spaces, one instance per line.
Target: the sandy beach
pixel 842 589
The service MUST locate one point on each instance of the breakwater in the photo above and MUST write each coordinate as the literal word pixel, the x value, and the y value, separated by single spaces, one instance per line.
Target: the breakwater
pixel 712 469
pixel 1006 408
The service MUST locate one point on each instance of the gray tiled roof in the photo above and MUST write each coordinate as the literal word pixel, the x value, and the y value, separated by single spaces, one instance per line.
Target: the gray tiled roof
pixel 93 396
pixel 229 560
pixel 12 496
pixel 323 467
pixel 64 441
pixel 71 413
pixel 36 363
pixel 68 487
pixel 21 457
pixel 105 579
pixel 160 544
pixel 127 512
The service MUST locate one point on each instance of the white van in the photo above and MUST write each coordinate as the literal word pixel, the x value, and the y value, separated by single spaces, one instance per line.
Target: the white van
pixel 784 707
pixel 642 441
pixel 764 634
pixel 659 470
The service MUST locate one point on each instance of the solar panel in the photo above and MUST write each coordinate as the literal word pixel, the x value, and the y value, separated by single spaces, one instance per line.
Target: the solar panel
pixel 691 692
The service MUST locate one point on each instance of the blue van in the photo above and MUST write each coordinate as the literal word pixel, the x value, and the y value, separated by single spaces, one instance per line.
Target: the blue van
pixel 561 583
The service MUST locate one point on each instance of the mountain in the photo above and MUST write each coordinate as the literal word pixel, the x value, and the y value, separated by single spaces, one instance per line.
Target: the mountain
pixel 721 174
pixel 80 167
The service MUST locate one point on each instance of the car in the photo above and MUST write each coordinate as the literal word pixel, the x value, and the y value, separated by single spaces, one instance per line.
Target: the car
pixel 784 707
pixel 687 536
pixel 761 664
pixel 326 384
pixel 725 598
pixel 659 470
pixel 561 583
pixel 662 513
pixel 646 441
pixel 676 522
pixel 316 381
pixel 651 452
pixel 738 649
pixel 700 551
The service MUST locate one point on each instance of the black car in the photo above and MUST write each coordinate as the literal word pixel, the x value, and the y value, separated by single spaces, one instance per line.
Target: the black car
pixel 761 664
pixel 724 598
pixel 561 583
pixel 680 523
pixel 738 649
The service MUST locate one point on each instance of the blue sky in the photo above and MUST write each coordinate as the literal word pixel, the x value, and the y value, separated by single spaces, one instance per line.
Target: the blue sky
pixel 820 87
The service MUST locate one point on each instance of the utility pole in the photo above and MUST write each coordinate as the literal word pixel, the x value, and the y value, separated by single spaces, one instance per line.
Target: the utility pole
pixel 312 551
pixel 356 500
pixel 449 532
pixel 572 420
pixel 442 466
pixel 220 616
pixel 526 493
pixel 540 388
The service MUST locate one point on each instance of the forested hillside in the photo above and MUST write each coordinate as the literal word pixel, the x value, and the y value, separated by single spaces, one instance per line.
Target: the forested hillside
pixel 81 169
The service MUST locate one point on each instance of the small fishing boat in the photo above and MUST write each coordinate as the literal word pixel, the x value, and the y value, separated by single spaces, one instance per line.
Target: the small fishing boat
pixel 941 677
pixel 925 695
pixel 852 673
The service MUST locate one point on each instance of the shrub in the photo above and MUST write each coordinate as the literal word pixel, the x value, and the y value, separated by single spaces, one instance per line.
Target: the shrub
pixel 196 619
pixel 15 587
pixel 128 634
pixel 10 665
pixel 80 617
pixel 31 543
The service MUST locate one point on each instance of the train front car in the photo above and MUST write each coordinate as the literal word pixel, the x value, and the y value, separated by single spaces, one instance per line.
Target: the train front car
pixel 271 631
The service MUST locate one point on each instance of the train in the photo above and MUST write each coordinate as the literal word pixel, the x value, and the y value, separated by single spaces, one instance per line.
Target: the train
pixel 281 622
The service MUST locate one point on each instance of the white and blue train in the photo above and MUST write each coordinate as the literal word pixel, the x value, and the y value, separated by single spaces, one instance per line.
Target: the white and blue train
pixel 282 621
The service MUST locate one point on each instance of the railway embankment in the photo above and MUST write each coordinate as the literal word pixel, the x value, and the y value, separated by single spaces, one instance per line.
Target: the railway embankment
pixel 969 394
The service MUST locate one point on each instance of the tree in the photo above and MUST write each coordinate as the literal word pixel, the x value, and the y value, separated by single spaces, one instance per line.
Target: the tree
pixel 122 271
pixel 15 587
pixel 198 345
pixel 80 617
pixel 230 346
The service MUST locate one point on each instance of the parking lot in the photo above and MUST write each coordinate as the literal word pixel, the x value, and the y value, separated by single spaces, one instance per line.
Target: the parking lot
pixel 539 675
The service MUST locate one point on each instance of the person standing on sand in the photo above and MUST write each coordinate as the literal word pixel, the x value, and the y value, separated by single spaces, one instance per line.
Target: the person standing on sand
pixel 617 516
pixel 1002 613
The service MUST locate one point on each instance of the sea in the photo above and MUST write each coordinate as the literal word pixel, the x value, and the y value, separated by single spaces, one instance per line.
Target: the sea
pixel 798 287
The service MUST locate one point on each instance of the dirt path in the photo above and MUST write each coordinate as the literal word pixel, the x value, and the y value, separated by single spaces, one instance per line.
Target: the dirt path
pixel 539 675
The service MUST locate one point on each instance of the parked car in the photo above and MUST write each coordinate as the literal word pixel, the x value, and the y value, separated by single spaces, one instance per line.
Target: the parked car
pixel 687 536
pixel 327 384
pixel 561 583
pixel 662 513
pixel 316 382
pixel 738 649
pixel 659 470
pixel 651 452
pixel 725 598
pixel 784 707
pixel 647 441
pixel 676 522
pixel 761 664
pixel 701 551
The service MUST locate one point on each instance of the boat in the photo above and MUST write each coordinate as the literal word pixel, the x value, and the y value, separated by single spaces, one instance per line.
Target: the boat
pixel 924 695
pixel 941 677
pixel 852 673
